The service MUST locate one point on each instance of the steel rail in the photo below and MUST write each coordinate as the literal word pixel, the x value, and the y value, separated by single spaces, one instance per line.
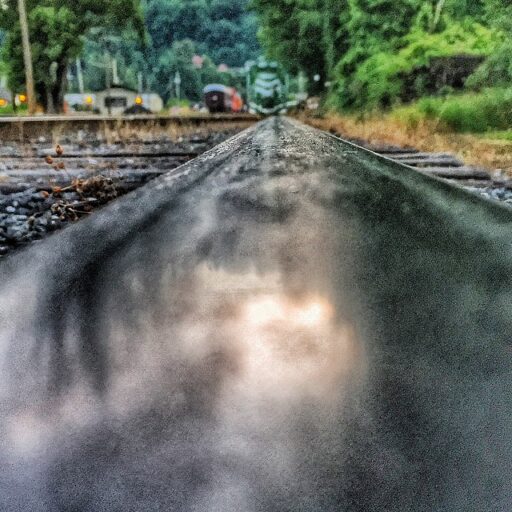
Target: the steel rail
pixel 31 127
pixel 287 322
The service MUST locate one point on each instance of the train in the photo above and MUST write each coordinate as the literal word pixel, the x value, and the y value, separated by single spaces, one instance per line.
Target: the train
pixel 267 87
pixel 219 98
pixel 266 91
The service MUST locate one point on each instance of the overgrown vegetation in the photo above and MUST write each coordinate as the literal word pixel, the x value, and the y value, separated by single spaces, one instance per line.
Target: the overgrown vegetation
pixel 359 55
pixel 492 150
pixel 387 78
pixel 382 54
pixel 490 109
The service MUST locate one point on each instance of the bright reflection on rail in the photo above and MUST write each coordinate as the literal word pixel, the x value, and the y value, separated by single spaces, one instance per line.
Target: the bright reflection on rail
pixel 290 345
pixel 269 309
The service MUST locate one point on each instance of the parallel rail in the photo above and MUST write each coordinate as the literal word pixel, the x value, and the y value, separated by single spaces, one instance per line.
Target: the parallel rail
pixel 442 165
pixel 32 127
pixel 287 322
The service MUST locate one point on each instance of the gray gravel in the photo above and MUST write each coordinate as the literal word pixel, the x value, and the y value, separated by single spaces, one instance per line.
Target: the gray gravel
pixel 27 216
pixel 500 194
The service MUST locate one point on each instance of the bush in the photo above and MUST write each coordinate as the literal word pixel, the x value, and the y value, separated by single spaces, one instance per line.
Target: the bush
pixel 174 102
pixel 490 109
pixel 383 79
pixel 496 71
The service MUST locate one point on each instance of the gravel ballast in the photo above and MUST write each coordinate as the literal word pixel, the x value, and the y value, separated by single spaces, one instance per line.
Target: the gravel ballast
pixel 33 207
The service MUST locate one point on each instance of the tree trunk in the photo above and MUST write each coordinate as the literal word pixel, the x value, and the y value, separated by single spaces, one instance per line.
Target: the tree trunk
pixel 437 15
pixel 27 57
pixel 53 94
pixel 59 88
pixel 50 108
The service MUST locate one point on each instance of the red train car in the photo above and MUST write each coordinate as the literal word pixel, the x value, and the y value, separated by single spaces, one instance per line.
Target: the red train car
pixel 218 98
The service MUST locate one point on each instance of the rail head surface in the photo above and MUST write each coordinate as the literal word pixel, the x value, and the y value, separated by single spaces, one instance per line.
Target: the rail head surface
pixel 287 322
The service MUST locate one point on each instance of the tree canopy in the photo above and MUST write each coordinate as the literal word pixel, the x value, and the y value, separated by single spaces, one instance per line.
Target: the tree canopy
pixel 152 37
pixel 370 53
pixel 376 52
pixel 57 32
pixel 218 31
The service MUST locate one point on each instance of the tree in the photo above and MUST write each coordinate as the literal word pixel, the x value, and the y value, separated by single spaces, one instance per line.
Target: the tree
pixel 377 52
pixel 292 33
pixel 229 36
pixel 497 69
pixel 222 29
pixel 499 14
pixel 168 21
pixel 57 31
pixel 27 56
pixel 178 58
pixel 335 33
pixel 131 56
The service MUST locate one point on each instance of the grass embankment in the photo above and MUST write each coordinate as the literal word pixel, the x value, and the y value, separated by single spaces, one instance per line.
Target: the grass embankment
pixel 475 127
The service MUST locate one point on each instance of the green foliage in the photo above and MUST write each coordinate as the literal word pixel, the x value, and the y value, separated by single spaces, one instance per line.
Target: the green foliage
pixel 375 26
pixel 377 53
pixel 9 110
pixel 381 79
pixel 222 29
pixel 292 32
pixel 497 70
pixel 499 135
pixel 57 31
pixel 490 109
pixel 51 45
pixel 499 14
pixel 125 48
pixel 178 58
pixel 335 33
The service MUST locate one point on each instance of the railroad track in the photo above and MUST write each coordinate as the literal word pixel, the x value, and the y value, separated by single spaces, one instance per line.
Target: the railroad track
pixel 37 197
pixel 491 184
pixel 25 128
pixel 443 165
pixel 286 322
pixel 126 163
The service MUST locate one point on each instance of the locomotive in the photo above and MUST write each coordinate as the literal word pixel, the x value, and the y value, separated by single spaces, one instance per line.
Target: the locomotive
pixel 220 99
pixel 267 89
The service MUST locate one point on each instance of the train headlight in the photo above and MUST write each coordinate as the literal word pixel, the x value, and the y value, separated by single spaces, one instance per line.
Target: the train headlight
pixel 139 100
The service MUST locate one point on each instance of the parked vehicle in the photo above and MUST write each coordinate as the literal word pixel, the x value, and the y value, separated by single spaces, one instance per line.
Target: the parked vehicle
pixel 216 98
pixel 220 98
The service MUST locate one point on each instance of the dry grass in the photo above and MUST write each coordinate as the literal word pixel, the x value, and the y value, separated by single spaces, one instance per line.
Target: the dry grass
pixel 125 131
pixel 424 136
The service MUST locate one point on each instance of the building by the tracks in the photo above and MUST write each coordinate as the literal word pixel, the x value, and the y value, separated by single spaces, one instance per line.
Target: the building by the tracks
pixel 115 100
